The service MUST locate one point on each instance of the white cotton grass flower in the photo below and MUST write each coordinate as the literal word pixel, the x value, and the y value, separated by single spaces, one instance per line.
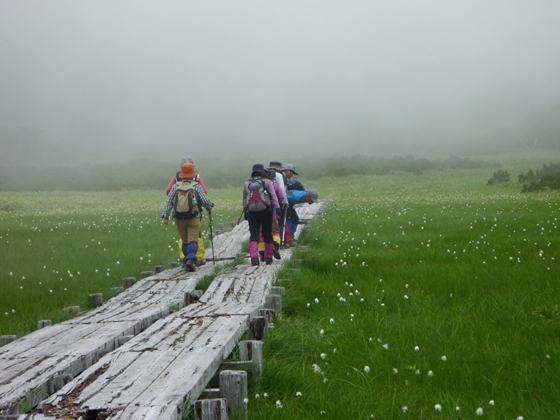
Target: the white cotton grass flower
pixel 278 404
pixel 437 407
pixel 444 358
pixel 298 394
pixel 265 395
pixel 246 401
pixel 332 321
pixel 491 402
pixel 257 396
pixel 430 373
pixel 479 411
pixel 322 332
pixel 395 371
pixel 457 409
pixel 323 356
pixel 385 346
pixel 520 418
pixel 405 409
pixel 366 369
pixel 416 348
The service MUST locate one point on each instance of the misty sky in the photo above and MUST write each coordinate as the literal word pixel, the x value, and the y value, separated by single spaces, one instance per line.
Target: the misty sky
pixel 87 80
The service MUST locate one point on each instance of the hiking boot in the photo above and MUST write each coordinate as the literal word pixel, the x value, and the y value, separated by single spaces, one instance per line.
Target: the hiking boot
pixel 201 262
pixel 184 267
pixel 254 261
pixel 276 251
pixel 262 258
pixel 268 261
pixel 190 266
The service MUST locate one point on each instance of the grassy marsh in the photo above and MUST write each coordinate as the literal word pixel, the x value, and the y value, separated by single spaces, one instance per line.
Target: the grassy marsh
pixel 421 296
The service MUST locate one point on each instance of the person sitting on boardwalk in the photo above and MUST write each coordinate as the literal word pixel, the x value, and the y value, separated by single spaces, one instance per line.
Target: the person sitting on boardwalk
pixel 259 201
pixel 299 197
pixel 186 199
pixel 200 253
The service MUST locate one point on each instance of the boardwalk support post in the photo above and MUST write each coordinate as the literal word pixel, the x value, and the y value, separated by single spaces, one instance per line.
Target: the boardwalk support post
pixel 128 282
pixel 5 339
pixel 213 409
pixel 258 328
pixel 274 302
pixel 44 323
pixel 251 350
pixel 96 299
pixel 233 387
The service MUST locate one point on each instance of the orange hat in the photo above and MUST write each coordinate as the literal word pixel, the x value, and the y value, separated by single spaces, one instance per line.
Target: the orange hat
pixel 187 170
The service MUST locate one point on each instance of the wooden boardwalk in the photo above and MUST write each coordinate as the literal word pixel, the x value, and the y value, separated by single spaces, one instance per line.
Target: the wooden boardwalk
pixel 134 357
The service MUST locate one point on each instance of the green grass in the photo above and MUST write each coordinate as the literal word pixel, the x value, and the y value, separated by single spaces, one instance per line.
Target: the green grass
pixel 437 261
pixel 440 262
pixel 57 248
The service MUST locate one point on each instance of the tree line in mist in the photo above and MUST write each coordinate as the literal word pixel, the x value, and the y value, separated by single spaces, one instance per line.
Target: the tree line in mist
pixel 146 174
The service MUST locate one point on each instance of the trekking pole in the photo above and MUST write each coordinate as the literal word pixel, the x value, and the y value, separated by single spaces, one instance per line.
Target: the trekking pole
pixel 211 236
pixel 240 216
pixel 284 226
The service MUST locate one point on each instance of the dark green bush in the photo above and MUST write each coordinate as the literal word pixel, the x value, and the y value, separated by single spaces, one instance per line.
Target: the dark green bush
pixel 548 177
pixel 499 177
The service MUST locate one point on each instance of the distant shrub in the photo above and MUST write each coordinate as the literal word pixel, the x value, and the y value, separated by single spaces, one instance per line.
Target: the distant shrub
pixel 548 177
pixel 499 177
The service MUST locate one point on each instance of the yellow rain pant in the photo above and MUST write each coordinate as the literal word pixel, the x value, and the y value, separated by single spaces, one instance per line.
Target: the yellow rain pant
pixel 199 254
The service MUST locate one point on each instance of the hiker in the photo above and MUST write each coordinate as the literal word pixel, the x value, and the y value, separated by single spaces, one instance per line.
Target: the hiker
pixel 299 197
pixel 292 218
pixel 276 168
pixel 200 253
pixel 186 198
pixel 277 240
pixel 259 202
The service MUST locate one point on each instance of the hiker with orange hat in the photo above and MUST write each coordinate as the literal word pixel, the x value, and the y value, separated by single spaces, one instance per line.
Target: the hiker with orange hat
pixel 187 198
pixel 200 253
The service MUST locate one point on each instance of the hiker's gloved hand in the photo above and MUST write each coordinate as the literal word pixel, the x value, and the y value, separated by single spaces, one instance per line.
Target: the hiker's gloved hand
pixel 279 212
pixel 165 221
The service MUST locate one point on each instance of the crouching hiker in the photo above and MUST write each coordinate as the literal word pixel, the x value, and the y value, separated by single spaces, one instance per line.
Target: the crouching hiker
pixel 299 197
pixel 187 198
pixel 259 202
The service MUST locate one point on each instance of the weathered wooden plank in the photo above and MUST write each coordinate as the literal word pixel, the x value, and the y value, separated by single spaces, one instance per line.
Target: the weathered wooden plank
pixel 172 362
pixel 117 384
